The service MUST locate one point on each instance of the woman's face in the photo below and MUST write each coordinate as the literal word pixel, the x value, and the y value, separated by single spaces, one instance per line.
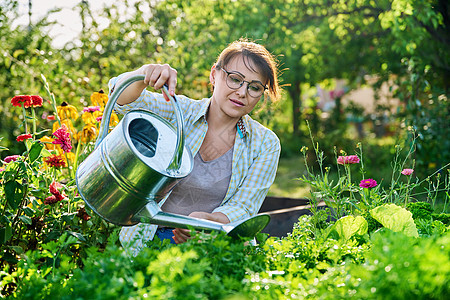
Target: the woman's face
pixel 235 103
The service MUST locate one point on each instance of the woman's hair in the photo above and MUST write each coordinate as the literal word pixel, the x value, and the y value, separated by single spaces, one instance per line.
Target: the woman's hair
pixel 259 57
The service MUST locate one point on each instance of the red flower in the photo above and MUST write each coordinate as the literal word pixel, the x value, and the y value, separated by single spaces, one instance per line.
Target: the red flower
pixel 20 100
pixel 11 158
pixel 54 187
pixel 56 194
pixel 50 200
pixel 55 161
pixel 36 101
pixel 63 139
pixel 82 214
pixel 24 137
pixel 346 160
pixel 51 118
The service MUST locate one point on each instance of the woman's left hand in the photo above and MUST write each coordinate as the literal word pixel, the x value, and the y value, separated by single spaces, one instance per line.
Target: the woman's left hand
pixel 181 235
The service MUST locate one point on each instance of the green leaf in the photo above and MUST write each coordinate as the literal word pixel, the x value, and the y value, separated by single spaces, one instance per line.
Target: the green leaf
pixel 5 233
pixel 26 220
pixel 79 236
pixel 13 193
pixel 28 211
pixel 35 151
pixel 348 226
pixel 395 218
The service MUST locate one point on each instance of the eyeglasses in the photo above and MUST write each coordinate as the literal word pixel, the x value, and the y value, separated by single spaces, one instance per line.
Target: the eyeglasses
pixel 234 81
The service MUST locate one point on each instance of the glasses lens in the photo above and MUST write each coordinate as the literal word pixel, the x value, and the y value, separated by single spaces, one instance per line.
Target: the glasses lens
pixel 234 81
pixel 255 89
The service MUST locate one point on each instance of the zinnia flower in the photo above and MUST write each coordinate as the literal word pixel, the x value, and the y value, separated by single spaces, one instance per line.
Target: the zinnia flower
pixel 99 99
pixel 407 171
pixel 69 125
pixel 20 100
pixel 51 118
pixel 24 137
pixel 91 109
pixel 67 111
pixel 368 183
pixel 36 101
pixel 55 161
pixel 346 160
pixel 63 139
pixel 11 158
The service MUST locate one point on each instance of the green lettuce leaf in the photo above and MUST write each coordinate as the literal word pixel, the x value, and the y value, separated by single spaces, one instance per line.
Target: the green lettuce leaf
pixel 395 218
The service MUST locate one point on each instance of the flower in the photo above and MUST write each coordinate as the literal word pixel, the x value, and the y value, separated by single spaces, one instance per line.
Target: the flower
pixel 82 214
pixel 20 100
pixel 69 125
pixel 407 171
pixel 51 118
pixel 24 137
pixel 11 158
pixel 368 183
pixel 48 142
pixel 345 160
pixel 99 98
pixel 2 169
pixel 91 109
pixel 56 194
pixel 36 101
pixel 88 133
pixel 67 111
pixel 55 161
pixel 63 139
pixel 337 94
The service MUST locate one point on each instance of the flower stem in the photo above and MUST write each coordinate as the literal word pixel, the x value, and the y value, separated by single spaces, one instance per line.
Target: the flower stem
pixel 34 122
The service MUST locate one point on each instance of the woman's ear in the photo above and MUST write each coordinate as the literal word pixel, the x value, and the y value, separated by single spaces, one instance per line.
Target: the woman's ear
pixel 212 75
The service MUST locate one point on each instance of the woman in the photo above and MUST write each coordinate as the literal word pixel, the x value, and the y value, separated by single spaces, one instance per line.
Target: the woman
pixel 235 157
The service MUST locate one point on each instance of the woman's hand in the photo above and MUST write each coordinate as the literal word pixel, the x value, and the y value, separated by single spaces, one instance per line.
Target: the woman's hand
pixel 157 75
pixel 182 235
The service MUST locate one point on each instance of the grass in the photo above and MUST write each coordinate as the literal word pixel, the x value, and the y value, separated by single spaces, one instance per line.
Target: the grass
pixel 286 184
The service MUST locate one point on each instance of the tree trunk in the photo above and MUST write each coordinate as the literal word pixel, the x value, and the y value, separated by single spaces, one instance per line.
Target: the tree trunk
pixel 295 94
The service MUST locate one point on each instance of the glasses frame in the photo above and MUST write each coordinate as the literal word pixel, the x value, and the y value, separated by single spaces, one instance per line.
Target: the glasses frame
pixel 242 83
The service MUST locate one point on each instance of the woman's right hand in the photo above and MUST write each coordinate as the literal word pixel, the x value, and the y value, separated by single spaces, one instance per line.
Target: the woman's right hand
pixel 157 75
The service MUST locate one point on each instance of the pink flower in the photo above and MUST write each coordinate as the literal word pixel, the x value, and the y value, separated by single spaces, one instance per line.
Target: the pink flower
pixel 407 171
pixel 347 160
pixel 63 139
pixel 11 158
pixel 24 137
pixel 98 119
pixel 91 109
pixel 368 183
pixel 2 169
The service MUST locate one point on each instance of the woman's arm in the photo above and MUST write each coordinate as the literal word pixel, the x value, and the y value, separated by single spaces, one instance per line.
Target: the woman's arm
pixel 155 76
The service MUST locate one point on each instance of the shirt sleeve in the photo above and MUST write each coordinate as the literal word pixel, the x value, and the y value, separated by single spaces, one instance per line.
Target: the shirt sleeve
pixel 248 198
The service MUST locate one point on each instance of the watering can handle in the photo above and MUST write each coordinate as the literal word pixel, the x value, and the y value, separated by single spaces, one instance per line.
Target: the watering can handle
pixel 104 126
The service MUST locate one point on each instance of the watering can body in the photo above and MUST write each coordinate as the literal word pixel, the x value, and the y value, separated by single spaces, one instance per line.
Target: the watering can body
pixel 129 168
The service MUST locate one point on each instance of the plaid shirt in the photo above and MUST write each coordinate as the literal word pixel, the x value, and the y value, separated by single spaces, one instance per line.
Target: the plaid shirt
pixel 255 159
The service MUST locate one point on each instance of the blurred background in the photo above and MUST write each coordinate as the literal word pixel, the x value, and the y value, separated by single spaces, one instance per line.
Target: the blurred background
pixel 374 72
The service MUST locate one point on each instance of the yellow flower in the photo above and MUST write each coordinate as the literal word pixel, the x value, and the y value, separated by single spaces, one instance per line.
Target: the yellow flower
pixel 67 111
pixel 48 142
pixel 99 98
pixel 88 118
pixel 68 124
pixel 113 121
pixel 88 133
pixel 70 156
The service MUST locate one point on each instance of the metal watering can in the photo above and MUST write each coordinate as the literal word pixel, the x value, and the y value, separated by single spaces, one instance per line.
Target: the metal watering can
pixel 137 164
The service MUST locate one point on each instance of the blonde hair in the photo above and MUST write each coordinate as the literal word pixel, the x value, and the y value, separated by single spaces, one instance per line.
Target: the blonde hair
pixel 261 58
